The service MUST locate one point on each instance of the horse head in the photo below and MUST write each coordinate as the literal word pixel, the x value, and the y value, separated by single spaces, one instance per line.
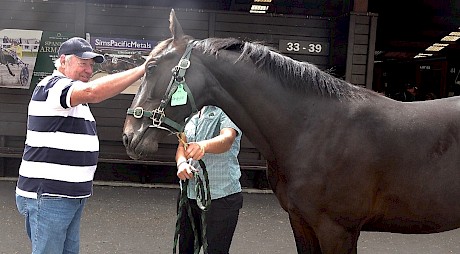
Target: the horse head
pixel 164 100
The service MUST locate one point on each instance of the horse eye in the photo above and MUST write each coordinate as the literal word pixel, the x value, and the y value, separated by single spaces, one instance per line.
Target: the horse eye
pixel 150 67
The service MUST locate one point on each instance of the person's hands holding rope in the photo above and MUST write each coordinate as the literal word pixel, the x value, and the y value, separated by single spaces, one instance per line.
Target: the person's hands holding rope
pixel 195 150
pixel 186 152
pixel 185 170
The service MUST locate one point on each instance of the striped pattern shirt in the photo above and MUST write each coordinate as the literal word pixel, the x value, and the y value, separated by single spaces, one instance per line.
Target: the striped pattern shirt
pixel 62 147
pixel 223 169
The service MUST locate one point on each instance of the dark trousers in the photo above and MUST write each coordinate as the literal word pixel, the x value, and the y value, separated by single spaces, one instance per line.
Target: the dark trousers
pixel 221 220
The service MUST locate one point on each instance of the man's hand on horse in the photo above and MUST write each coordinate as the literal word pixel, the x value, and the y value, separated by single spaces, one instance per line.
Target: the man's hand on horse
pixel 195 151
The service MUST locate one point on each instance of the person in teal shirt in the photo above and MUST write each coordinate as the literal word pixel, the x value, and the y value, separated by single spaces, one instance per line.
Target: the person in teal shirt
pixel 212 137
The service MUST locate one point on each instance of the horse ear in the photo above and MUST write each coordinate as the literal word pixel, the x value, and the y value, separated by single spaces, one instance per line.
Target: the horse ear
pixel 174 26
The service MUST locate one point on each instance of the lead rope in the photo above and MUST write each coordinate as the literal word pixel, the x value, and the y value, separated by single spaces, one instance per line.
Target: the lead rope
pixel 203 200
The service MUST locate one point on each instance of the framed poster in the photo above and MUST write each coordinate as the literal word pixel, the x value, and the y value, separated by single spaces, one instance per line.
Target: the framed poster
pixel 18 55
pixel 47 54
pixel 120 54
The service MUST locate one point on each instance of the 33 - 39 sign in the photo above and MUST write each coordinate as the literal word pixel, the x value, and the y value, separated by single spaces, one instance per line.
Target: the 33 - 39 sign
pixel 304 47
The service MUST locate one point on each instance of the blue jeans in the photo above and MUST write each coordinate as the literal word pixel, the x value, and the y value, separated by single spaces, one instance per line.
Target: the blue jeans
pixel 52 223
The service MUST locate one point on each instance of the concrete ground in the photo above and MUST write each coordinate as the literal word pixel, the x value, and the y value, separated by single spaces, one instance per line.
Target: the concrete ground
pixel 141 219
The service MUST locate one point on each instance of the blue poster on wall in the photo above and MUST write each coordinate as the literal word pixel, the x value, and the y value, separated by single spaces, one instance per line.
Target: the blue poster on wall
pixel 120 54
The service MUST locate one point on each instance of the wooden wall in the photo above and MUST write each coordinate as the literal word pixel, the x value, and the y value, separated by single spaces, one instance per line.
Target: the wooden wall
pixel 361 47
pixel 148 22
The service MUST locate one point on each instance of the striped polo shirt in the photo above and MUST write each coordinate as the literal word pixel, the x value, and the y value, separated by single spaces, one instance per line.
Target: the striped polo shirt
pixel 62 147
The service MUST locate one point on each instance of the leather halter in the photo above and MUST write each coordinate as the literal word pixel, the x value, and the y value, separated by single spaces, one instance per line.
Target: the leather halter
pixel 178 78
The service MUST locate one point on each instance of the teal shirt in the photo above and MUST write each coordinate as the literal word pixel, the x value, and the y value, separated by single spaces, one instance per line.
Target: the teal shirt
pixel 223 169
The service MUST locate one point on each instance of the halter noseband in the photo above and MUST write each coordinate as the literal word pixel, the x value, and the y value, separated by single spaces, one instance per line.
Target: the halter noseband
pixel 178 78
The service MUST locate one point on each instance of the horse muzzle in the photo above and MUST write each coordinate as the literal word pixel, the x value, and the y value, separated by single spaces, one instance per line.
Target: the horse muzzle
pixel 139 150
pixel 140 144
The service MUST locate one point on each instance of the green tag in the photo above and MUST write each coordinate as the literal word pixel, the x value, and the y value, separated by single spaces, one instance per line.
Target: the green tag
pixel 179 97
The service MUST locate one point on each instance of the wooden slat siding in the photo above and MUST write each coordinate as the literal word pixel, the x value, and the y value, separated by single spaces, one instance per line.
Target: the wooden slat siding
pixel 133 22
pixel 11 148
pixel 361 71
pixel 9 167
pixel 20 117
pixel 272 30
pixel 15 141
pixel 38 7
pixel 116 150
pixel 116 121
pixel 2 160
pixel 339 44
pixel 244 25
pixel 321 62
pixel 13 128
pixel 14 95
pixel 114 133
pixel 212 25
pixel 358 80
pixel 13 111
pixel 111 133
pixel 359 49
pixel 110 116
pixel 101 10
pixel 2 167
pixel 152 13
pixel 80 18
pixel 149 23
pixel 20 109
pixel 359 59
pixel 290 21
pixel 269 30
pixel 38 15
pixel 108 112
pixel 371 52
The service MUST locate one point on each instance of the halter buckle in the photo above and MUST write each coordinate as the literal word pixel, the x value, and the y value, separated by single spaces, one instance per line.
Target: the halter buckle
pixel 138 112
pixel 184 63
pixel 157 117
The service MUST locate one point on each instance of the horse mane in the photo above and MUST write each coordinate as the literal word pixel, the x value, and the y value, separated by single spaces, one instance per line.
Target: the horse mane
pixel 301 76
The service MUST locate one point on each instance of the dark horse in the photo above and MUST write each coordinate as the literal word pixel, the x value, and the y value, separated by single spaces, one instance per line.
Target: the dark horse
pixel 341 159
pixel 7 58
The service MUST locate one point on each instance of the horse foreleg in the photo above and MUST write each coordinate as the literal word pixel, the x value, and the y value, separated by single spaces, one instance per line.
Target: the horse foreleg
pixel 9 70
pixel 305 238
pixel 336 239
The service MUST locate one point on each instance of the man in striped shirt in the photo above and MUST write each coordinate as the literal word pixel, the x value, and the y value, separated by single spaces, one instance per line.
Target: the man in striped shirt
pixel 62 147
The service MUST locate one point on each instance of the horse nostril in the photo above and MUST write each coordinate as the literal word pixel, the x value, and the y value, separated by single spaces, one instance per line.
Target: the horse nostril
pixel 125 140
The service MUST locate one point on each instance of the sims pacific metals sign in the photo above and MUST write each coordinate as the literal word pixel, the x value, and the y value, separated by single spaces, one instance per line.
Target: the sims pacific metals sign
pixel 122 44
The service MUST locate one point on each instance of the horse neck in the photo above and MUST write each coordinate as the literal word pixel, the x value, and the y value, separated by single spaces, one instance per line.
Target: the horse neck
pixel 255 102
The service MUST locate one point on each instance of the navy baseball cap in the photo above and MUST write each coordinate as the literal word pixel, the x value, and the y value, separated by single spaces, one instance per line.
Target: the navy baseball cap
pixel 81 48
